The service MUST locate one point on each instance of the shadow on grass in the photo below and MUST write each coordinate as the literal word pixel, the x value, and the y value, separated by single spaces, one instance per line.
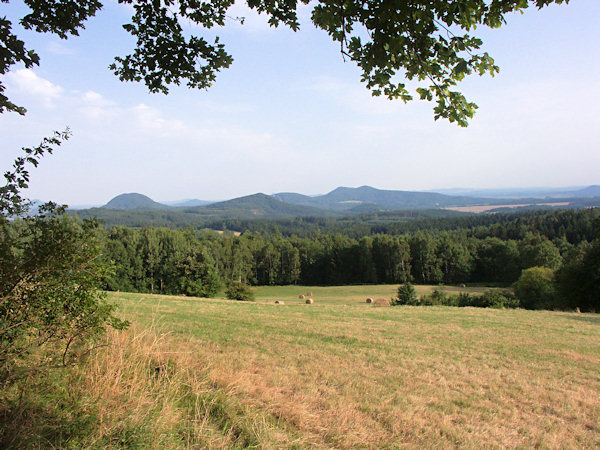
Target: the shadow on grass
pixel 586 317
pixel 33 424
pixel 43 424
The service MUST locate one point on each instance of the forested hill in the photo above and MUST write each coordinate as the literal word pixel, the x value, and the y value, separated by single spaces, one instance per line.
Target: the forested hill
pixel 344 198
pixel 133 201
pixel 257 206
pixel 351 206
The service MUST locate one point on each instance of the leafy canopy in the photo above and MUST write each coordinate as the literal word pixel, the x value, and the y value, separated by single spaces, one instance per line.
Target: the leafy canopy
pixel 391 41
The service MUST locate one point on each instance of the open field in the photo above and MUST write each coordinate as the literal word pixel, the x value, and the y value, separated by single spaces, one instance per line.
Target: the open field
pixel 484 208
pixel 346 295
pixel 339 374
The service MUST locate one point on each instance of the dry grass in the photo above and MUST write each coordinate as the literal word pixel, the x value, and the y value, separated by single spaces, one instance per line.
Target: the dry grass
pixel 222 374
pixel 349 375
pixel 484 208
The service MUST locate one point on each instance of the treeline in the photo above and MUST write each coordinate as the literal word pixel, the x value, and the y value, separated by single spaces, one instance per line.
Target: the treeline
pixel 574 225
pixel 195 262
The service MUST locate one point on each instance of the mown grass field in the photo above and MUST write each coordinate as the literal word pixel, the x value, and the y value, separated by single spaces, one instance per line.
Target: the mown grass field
pixel 336 374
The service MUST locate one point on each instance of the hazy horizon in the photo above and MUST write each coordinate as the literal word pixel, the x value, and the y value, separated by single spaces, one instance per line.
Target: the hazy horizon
pixel 441 190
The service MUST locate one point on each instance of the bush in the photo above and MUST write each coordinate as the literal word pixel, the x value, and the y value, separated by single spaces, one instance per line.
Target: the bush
pixel 51 311
pixel 436 298
pixel 406 295
pixel 495 298
pixel 239 291
pixel 535 288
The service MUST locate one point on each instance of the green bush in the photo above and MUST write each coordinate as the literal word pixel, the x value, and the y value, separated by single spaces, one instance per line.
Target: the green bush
pixel 406 295
pixel 493 298
pixel 51 311
pixel 436 298
pixel 496 298
pixel 535 288
pixel 239 291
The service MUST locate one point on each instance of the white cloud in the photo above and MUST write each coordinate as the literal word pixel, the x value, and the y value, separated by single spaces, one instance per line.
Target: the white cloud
pixel 96 107
pixel 27 82
pixel 356 96
pixel 59 48
pixel 96 99
pixel 150 119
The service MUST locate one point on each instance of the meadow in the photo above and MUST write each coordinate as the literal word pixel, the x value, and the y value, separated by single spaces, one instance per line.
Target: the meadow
pixel 216 373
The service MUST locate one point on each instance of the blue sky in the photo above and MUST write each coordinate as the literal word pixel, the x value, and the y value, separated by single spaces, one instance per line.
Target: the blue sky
pixel 290 115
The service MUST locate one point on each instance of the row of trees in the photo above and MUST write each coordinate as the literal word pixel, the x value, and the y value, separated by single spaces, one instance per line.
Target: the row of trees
pixel 200 262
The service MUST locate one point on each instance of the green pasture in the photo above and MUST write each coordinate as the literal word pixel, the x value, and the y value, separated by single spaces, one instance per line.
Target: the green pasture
pixel 342 373
pixel 346 295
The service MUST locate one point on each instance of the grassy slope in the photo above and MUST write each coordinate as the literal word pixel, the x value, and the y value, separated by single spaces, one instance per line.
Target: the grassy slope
pixel 341 373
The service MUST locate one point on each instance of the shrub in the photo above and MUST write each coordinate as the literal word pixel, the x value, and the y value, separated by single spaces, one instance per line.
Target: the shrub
pixel 463 299
pixel 496 298
pixel 438 298
pixel 51 311
pixel 406 295
pixel 239 291
pixel 535 288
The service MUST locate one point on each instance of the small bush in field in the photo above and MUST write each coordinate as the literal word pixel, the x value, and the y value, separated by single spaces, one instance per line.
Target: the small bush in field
pixel 406 295
pixel 495 298
pixel 437 298
pixel 239 291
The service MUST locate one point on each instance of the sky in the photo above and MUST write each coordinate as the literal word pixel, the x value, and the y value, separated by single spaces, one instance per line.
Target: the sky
pixel 290 115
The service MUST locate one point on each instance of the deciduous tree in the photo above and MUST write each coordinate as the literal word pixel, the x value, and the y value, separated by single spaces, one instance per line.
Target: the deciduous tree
pixel 425 43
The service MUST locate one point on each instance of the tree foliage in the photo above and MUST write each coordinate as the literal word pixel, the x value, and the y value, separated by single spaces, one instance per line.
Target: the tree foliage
pixel 579 279
pixel 239 291
pixel 50 269
pixel 404 49
pixel 535 288
pixel 407 295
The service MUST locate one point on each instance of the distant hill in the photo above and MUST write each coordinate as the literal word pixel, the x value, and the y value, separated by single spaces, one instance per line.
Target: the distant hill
pixel 346 199
pixel 133 201
pixel 260 206
pixel 188 202
pixel 138 210
pixel 257 206
pixel 588 192
pixel 527 193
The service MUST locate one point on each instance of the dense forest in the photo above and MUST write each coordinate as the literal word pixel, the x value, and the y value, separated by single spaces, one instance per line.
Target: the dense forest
pixel 492 249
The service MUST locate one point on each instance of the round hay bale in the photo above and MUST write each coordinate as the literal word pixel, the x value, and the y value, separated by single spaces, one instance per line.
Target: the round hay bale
pixel 309 301
pixel 369 300
pixel 381 302
pixel 309 294
pixel 463 285
pixel 279 302
pixel 301 297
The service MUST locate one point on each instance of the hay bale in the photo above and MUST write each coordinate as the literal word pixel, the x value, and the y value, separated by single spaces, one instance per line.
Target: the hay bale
pixel 301 297
pixel 463 285
pixel 309 294
pixel 309 301
pixel 381 302
pixel 279 302
pixel 369 300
